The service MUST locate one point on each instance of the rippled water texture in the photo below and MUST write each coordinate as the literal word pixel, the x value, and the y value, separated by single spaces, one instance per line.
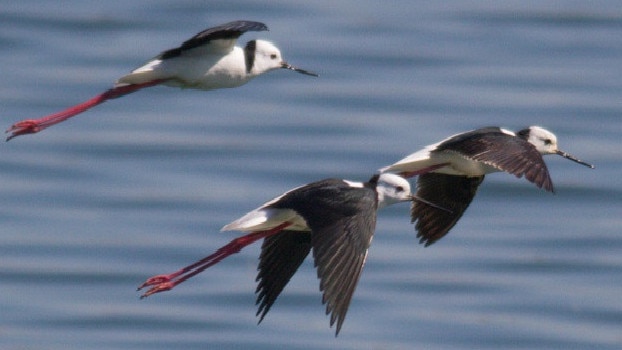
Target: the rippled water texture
pixel 142 185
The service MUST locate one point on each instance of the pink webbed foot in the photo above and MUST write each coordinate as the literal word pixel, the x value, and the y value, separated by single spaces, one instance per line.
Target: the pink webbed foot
pixel 155 280
pixel 29 126
pixel 159 283
pixel 161 287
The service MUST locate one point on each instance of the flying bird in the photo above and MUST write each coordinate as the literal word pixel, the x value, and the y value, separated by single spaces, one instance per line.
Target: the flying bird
pixel 450 172
pixel 334 218
pixel 209 60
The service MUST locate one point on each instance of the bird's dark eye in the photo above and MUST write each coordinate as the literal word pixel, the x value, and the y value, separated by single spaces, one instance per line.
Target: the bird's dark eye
pixel 547 141
pixel 399 188
pixel 273 56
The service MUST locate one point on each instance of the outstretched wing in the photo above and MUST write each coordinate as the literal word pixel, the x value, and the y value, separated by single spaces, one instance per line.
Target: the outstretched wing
pixel 503 151
pixel 340 251
pixel 340 243
pixel 452 192
pixel 228 32
pixel 281 255
pixel 342 219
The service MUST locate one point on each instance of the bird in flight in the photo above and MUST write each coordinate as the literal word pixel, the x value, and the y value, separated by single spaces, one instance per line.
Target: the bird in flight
pixel 209 60
pixel 334 218
pixel 450 171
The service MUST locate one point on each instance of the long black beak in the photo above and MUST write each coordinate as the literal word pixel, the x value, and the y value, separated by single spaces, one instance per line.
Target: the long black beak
pixel 286 65
pixel 418 199
pixel 574 159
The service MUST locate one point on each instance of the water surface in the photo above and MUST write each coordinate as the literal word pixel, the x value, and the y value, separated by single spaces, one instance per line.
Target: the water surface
pixel 141 185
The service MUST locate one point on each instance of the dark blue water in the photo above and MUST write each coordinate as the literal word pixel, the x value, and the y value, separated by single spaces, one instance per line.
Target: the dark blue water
pixel 141 185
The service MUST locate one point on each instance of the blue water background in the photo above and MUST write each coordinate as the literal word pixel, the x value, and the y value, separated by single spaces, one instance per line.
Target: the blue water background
pixel 141 185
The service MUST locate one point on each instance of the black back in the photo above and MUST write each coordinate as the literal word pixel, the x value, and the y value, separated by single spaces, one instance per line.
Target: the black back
pixel 231 30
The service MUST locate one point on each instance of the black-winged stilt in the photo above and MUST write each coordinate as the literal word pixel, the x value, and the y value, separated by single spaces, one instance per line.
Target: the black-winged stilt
pixel 335 218
pixel 209 60
pixel 450 172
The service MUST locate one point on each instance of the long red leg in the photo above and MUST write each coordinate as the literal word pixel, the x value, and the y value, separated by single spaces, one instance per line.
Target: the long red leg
pixel 31 126
pixel 161 283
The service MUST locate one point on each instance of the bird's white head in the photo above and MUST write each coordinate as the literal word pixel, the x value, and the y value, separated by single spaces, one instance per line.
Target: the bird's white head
pixel 266 57
pixel 545 142
pixel 391 189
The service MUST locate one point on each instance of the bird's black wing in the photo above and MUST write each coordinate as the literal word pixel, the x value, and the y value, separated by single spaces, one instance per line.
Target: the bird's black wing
pixel 503 151
pixel 281 255
pixel 340 250
pixel 342 219
pixel 452 192
pixel 231 30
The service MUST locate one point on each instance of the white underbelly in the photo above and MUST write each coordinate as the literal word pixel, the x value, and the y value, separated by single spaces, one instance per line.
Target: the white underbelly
pixel 459 165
